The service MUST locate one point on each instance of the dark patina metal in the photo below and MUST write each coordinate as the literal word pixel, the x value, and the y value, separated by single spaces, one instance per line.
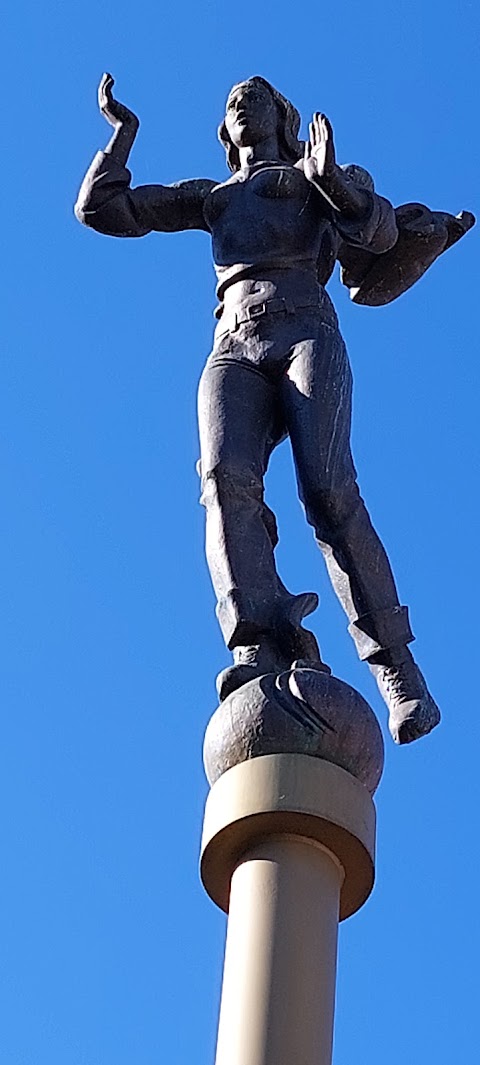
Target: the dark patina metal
pixel 279 368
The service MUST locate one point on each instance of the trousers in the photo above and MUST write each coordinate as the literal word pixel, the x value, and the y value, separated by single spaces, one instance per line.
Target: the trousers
pixel 275 375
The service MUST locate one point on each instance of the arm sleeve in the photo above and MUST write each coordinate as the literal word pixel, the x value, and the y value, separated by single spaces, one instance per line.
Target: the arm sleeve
pixel 107 203
pixel 377 230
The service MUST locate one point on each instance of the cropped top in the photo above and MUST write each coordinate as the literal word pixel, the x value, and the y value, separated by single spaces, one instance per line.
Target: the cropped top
pixel 265 217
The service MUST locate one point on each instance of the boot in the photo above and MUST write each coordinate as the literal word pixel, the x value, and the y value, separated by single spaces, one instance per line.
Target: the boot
pixel 412 711
pixel 271 655
pixel 250 661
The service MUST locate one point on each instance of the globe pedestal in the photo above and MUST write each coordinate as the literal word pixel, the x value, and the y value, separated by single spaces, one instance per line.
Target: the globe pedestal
pixel 288 851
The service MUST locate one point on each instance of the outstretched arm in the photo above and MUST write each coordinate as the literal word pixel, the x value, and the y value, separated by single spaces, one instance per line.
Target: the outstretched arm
pixel 361 217
pixel 107 203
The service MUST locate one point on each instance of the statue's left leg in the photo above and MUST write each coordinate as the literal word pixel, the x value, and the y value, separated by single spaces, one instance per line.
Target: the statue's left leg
pixel 317 406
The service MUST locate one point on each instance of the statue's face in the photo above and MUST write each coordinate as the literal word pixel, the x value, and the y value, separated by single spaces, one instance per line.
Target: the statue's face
pixel 251 114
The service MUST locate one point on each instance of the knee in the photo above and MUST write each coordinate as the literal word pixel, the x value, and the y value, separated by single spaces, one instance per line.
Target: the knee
pixel 333 511
pixel 229 480
pixel 232 489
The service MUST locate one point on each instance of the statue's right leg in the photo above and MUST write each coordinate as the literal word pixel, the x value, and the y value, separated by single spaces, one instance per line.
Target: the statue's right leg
pixel 239 425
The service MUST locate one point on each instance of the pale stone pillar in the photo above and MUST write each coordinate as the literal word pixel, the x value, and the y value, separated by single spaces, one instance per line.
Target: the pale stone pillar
pixel 288 851
pixel 280 961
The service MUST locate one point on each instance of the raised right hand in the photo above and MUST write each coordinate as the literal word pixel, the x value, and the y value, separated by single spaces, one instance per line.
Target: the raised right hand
pixel 114 112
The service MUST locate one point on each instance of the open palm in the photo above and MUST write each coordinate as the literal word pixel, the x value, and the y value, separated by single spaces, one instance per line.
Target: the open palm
pixel 114 112
pixel 319 149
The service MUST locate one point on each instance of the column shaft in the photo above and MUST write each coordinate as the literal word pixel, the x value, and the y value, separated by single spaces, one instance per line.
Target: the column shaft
pixel 280 962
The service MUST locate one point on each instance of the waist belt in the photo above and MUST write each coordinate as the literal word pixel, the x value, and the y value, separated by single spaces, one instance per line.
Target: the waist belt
pixel 230 321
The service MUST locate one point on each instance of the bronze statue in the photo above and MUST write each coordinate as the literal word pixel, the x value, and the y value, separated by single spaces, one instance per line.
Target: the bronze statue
pixel 279 368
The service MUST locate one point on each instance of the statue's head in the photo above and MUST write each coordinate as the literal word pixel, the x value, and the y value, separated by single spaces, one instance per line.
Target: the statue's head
pixel 254 112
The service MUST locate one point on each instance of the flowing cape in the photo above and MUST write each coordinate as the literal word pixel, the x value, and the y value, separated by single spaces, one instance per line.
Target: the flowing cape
pixel 423 235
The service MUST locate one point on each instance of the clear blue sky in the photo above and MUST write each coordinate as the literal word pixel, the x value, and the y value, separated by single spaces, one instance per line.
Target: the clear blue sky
pixel 110 952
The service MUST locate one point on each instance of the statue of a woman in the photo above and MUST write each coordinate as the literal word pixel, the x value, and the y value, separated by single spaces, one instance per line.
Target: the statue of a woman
pixel 279 367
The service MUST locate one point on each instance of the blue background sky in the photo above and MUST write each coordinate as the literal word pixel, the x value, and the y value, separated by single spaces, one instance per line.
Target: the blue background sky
pixel 110 952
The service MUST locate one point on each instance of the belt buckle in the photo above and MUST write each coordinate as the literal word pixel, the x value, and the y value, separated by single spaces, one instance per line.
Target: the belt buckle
pixel 256 310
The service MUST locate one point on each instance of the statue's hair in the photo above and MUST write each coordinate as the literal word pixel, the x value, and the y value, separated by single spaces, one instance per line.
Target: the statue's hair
pixel 291 148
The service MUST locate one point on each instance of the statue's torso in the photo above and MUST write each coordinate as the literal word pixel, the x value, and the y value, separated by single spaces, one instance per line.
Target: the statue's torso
pixel 268 222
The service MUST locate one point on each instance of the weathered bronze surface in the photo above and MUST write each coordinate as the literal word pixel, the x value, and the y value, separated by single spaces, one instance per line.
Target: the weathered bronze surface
pixel 279 368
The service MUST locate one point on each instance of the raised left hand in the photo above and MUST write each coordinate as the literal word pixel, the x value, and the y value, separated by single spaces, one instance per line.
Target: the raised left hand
pixel 319 159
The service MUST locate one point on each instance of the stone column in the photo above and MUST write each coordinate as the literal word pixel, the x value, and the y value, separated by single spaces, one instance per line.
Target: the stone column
pixel 287 851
